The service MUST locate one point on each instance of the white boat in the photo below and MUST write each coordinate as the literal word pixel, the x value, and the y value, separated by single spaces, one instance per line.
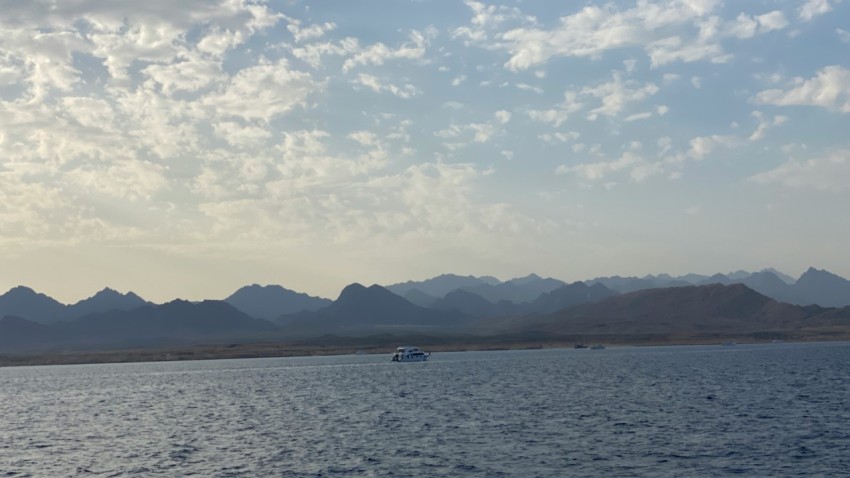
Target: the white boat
pixel 409 354
pixel 597 347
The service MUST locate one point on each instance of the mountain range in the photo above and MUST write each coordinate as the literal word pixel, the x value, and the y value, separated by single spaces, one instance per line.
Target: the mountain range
pixel 814 286
pixel 693 305
pixel 24 302
pixel 707 310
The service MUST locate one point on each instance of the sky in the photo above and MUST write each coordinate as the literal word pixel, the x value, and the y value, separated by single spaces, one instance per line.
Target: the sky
pixel 185 149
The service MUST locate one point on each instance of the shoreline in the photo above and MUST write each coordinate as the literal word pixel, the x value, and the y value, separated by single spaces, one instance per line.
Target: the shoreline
pixel 352 346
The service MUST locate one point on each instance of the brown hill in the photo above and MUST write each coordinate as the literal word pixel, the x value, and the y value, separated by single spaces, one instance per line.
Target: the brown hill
pixel 682 311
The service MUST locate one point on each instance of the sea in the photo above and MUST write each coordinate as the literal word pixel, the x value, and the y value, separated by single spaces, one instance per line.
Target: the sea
pixel 753 410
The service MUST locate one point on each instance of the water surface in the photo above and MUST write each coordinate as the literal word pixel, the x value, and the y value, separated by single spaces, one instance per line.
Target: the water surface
pixel 755 410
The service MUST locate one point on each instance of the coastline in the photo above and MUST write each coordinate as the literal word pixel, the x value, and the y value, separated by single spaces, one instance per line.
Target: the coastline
pixel 383 345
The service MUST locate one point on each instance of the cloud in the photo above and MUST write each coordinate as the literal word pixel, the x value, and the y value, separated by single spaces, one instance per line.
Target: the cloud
pixel 379 53
pixel 188 74
pixel 702 146
pixel 262 92
pixel 311 32
pixel 558 137
pixel 764 124
pixel 127 179
pixel 527 87
pixel 241 136
pixel 562 111
pixel 381 85
pixel 814 8
pixel 638 168
pixel 617 94
pixel 639 116
pixel 828 173
pixel 669 31
pixel 313 53
pixel 481 132
pixel 830 89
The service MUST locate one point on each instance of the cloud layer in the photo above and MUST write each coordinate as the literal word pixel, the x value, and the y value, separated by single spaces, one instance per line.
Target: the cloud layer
pixel 488 132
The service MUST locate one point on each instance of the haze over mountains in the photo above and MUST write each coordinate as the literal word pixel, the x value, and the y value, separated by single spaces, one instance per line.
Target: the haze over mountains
pixel 764 302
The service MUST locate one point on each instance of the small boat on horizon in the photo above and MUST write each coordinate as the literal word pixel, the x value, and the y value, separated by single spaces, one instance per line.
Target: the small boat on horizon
pixel 409 354
pixel 597 347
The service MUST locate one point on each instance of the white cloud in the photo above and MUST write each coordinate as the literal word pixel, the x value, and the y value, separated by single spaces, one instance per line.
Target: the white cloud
pixel 527 87
pixel 562 111
pixel 558 137
pixel 311 32
pixel 670 78
pixel 702 146
pixel 262 92
pixel 638 168
pixel 639 116
pixel 188 74
pixel 828 173
pixel 843 35
pixel 669 30
pixel 765 123
pixel 481 132
pixel 241 136
pixel 814 8
pixel 618 94
pixel 487 19
pixel 313 53
pixel 128 179
pixel 382 85
pixel 774 20
pixel 829 89
pixel 379 53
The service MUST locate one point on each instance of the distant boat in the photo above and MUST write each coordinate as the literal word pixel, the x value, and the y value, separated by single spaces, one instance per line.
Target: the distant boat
pixel 409 354
pixel 580 346
pixel 597 347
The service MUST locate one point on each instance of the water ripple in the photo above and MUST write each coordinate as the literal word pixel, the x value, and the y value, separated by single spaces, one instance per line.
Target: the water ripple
pixel 773 410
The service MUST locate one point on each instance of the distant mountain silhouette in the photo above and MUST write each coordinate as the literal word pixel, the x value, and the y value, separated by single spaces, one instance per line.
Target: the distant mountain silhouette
pixel 150 325
pixel 570 295
pixel 681 311
pixel 524 289
pixel 469 304
pixel 363 310
pixel 563 297
pixel 26 303
pixel 416 296
pixel 781 275
pixel 822 288
pixel 718 279
pixel 441 285
pixel 735 303
pixel 105 301
pixel 625 285
pixel 271 301
pixel 814 286
pixel 769 284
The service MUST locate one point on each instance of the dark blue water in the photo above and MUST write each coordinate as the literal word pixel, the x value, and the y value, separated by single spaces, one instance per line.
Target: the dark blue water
pixel 767 410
